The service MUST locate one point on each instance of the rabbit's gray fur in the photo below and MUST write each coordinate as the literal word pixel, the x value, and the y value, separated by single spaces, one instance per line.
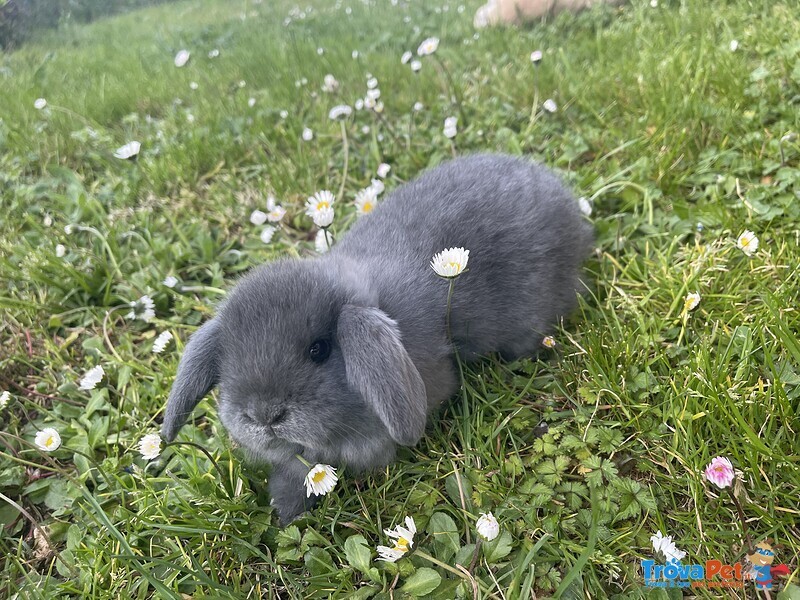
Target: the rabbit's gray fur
pixel 375 298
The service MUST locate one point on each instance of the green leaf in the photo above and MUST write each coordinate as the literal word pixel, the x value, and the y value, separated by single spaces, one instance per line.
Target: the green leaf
pixel 289 536
pixel 318 562
pixel 424 581
pixel 498 548
pixel 451 485
pixel 790 592
pixel 358 554
pixel 445 534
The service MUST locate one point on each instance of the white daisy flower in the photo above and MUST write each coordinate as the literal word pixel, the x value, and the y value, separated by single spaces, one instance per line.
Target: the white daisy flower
pixel 403 541
pixel 320 243
pixel 150 446
pixel 267 233
pixel 61 250
pixel 747 242
pixel 284 114
pixel 39 103
pixel 734 45
pixel 4 398
pixel 359 104
pixel 378 108
pixel 320 480
pixel 428 46
pixel 451 262
pixel 213 53
pixel 416 66
pixel 48 439
pixel 354 54
pixel 418 106
pixel 653 3
pixel 308 135
pixel 407 56
pixel 383 170
pixel 342 110
pixel 170 281
pixel 585 206
pixel 550 105
pixel 365 201
pixel 666 546
pixel 450 127
pixel 691 301
pixel 92 377
pixel 193 85
pixel 319 201
pixel 143 309
pixel 48 220
pixel 276 214
pixel 536 57
pixel 549 341
pixel 372 83
pixel 487 526
pixel 258 217
pixel 374 94
pixel 251 102
pixel 377 186
pixel 330 84
pixel 129 150
pixel 323 217
pixel 320 51
pixel 161 342
pixel 182 57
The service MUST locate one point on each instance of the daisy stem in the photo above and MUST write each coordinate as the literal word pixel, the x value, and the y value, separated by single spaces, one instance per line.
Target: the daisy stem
pixel 104 241
pixel 346 159
pixel 105 334
pixel 327 239
pixel 303 460
pixel 202 288
pixel 223 480
pixel 446 567
pixel 447 314
pixel 452 89
pixel 474 560
pixel 743 519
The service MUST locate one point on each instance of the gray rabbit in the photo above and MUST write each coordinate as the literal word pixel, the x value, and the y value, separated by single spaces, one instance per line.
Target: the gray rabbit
pixel 341 357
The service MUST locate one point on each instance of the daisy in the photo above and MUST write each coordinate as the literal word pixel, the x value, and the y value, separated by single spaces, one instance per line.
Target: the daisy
pixel 691 301
pixel 92 377
pixel 377 186
pixel 487 526
pixel 320 208
pixel 407 56
pixel 143 309
pixel 61 250
pixel 170 281
pixel 161 342
pixel 251 102
pixel 372 83
pixel 536 57
pixel 47 439
pixel 193 85
pixel 320 243
pixel 4 398
pixel 354 54
pixel 418 106
pixel 276 214
pixel 258 217
pixel 720 472
pixel 150 446
pixel 342 110
pixel 734 45
pixel 666 546
pixel 320 480
pixel 747 242
pixel 365 201
pixel 359 104
pixel 308 135
pixel 129 150
pixel 373 94
pixel 450 263
pixel 330 84
pixel 428 46
pixel 213 53
pixel 383 170
pixel 416 66
pixel 267 233
pixel 39 103
pixel 450 129
pixel 403 541
pixel 284 114
pixel 182 57
pixel 585 206
pixel 550 105
pixel 549 342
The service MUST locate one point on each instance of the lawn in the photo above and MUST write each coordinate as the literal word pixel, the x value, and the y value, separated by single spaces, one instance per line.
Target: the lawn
pixel 678 123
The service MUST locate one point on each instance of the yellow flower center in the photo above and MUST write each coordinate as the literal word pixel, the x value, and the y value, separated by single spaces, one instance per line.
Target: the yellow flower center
pixel 367 207
pixel 401 544
pixel 455 265
pixel 322 204
pixel 49 441
pixel 317 477
pixel 745 242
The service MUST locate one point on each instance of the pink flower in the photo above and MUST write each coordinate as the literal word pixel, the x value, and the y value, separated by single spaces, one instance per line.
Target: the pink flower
pixel 720 472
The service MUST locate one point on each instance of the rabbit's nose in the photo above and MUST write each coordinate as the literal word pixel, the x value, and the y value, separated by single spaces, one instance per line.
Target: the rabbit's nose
pixel 266 417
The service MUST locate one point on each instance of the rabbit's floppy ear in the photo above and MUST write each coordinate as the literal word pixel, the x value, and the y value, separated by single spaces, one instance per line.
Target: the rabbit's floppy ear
pixel 379 368
pixel 197 374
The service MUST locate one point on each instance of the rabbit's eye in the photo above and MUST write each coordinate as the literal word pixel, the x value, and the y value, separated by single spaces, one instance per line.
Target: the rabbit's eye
pixel 319 351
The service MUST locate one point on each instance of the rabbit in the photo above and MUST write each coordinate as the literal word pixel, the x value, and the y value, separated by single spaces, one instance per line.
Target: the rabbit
pixel 340 358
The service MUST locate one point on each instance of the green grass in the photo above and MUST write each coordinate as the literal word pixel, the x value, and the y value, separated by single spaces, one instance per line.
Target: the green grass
pixel 659 123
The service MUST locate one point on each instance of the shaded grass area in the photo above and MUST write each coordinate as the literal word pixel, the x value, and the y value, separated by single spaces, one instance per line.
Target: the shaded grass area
pixel 582 454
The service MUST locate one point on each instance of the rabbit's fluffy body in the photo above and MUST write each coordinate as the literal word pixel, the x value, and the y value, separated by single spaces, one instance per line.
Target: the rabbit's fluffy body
pixel 379 309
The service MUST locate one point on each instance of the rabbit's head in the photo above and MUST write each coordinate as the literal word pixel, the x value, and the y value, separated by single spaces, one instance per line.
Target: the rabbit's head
pixel 305 363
